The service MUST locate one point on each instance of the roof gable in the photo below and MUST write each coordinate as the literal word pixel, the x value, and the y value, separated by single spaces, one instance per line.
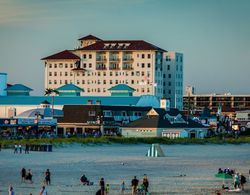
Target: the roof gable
pixel 18 87
pixel 62 56
pixel 121 87
pixel 89 37
pixel 69 87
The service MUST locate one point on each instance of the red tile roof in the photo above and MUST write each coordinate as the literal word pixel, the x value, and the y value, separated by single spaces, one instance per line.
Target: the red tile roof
pixel 62 55
pixel 122 45
pixel 89 37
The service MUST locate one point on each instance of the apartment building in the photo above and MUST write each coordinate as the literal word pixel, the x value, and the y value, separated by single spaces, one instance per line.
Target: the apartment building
pixel 97 65
pixel 173 78
pixel 225 101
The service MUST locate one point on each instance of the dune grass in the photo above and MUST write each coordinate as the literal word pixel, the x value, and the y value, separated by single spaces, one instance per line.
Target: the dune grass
pixel 123 140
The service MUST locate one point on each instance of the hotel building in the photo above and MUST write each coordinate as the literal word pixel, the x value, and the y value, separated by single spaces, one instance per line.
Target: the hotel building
pixel 98 65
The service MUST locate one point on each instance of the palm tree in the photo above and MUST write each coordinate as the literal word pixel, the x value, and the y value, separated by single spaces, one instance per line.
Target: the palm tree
pixel 53 92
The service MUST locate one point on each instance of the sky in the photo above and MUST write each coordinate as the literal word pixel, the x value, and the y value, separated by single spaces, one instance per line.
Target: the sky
pixel 213 35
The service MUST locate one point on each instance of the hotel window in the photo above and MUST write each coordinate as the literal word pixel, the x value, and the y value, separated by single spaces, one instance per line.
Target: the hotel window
pixel 60 82
pixel 104 73
pixel 111 73
pixel 66 73
pixel 137 73
pixel 55 66
pixel 50 66
pixel 142 73
pixel 142 90
pixel 164 76
pixel 148 90
pixel 132 73
pixel 176 58
pixel 104 90
pixel 88 90
pixel 55 73
pixel 138 55
pixel 169 76
pixel 169 91
pixel 50 73
pixel 142 65
pixel 88 74
pixel 180 67
pixel 142 56
pixel 149 65
pixel 78 82
pixel 98 74
pixel 164 91
pixel 116 74
pixel 66 65
pixel 77 74
pixel 84 56
pixel 71 74
pixel 164 84
pixel 84 65
pixel 132 81
pixel 176 67
pixel 83 82
pixel 90 56
pixel 169 83
pixel 55 82
pixel 90 65
pixel 116 81
pixel 66 82
pixel 71 65
pixel 110 82
pixel 149 56
pixel 83 74
pixel 60 65
pixel 98 90
pixel 88 81
pixel 168 67
pixel 50 82
pixel 104 82
pixel 181 58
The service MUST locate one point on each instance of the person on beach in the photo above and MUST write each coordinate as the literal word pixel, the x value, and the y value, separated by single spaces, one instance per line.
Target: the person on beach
pixel 145 182
pixel 102 185
pixel 84 180
pixel 11 190
pixel 15 149
pixel 26 149
pixel 134 184
pixel 29 176
pixel 20 148
pixel 236 181
pixel 47 177
pixel 43 191
pixel 123 187
pixel 107 189
pixel 0 146
pixel 23 175
pixel 242 181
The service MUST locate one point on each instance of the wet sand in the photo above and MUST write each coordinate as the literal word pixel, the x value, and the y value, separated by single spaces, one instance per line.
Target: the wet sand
pixel 198 162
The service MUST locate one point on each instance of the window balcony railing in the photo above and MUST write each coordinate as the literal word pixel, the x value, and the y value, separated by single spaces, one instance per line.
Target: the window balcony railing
pixel 114 59
pixel 101 67
pixel 112 67
pixel 127 58
pixel 101 59
pixel 127 67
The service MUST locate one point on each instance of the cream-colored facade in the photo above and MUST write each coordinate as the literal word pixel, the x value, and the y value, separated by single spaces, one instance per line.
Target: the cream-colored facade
pixel 99 70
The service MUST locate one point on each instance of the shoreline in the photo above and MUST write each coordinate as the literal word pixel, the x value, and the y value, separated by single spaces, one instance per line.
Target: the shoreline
pixel 122 140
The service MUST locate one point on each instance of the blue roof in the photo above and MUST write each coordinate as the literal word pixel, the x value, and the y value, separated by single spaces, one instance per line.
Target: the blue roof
pixel 3 73
pixel 121 87
pixel 69 87
pixel 18 87
pixel 63 100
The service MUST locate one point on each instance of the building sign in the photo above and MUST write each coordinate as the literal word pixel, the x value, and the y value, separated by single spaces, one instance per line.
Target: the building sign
pixel 8 122
pixel 26 121
pixel 47 122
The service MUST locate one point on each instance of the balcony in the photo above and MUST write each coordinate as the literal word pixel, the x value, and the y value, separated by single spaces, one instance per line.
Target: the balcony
pixel 114 67
pixel 114 59
pixel 128 59
pixel 127 67
pixel 101 67
pixel 101 59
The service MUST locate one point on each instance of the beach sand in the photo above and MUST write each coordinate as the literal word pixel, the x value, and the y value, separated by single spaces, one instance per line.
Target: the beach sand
pixel 67 163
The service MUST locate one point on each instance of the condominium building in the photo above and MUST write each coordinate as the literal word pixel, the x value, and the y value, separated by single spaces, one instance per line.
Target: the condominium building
pixel 225 101
pixel 97 65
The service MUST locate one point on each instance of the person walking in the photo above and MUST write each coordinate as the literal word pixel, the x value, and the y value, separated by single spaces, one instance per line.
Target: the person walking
pixel 107 189
pixel 43 191
pixel 47 177
pixel 15 149
pixel 145 183
pixel 123 187
pixel 102 185
pixel 20 148
pixel 11 190
pixel 23 175
pixel 134 184
pixel 26 149
pixel 29 176
pixel 242 181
